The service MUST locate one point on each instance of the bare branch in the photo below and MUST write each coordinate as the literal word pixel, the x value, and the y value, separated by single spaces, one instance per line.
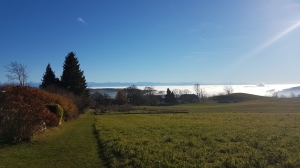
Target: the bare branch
pixel 17 72
pixel 197 89
pixel 228 89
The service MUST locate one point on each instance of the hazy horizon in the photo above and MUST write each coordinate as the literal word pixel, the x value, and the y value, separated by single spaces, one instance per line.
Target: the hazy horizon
pixel 210 90
pixel 126 84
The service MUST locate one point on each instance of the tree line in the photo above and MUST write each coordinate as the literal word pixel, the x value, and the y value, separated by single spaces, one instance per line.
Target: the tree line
pixel 134 96
pixel 25 110
pixel 149 96
pixel 72 82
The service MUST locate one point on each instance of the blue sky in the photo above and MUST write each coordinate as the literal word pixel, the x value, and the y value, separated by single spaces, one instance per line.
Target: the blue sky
pixel 155 40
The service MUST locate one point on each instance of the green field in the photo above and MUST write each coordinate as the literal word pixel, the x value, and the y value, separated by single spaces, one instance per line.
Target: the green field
pixel 256 132
pixel 253 133
pixel 71 145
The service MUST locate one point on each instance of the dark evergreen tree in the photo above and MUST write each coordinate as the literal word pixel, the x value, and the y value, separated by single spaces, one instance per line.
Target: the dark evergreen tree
pixel 49 78
pixel 170 97
pixel 173 98
pixel 72 77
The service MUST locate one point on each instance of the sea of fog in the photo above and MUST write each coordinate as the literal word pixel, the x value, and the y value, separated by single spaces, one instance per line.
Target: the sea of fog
pixel 210 90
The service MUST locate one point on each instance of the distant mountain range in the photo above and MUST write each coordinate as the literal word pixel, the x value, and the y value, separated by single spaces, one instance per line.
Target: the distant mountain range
pixel 126 84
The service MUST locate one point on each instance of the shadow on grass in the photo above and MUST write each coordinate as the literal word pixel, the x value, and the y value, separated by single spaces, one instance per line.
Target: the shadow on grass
pixel 4 144
pixel 101 153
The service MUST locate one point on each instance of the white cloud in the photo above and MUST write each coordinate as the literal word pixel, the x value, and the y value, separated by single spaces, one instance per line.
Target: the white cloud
pixel 81 20
pixel 261 84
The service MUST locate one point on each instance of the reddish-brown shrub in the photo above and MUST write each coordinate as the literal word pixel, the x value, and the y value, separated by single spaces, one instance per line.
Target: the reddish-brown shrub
pixel 22 112
pixel 70 109
pixel 81 102
pixel 65 99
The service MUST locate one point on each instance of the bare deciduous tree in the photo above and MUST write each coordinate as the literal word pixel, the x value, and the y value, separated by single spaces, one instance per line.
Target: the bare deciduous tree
pixel 282 96
pixel 134 95
pixel 150 96
pixel 186 91
pixel 17 71
pixel 275 94
pixel 149 90
pixel 161 93
pixel 202 93
pixel 197 89
pixel 293 95
pixel 228 89
pixel 177 92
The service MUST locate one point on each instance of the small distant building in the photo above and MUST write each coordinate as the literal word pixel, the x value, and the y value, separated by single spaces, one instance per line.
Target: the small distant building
pixel 188 98
pixel 161 99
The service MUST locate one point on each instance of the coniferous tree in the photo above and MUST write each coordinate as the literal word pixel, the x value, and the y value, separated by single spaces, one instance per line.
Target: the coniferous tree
pixel 173 99
pixel 170 97
pixel 72 77
pixel 167 97
pixel 49 78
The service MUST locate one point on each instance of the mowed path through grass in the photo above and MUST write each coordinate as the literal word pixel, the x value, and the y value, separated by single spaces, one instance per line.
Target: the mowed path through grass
pixel 71 145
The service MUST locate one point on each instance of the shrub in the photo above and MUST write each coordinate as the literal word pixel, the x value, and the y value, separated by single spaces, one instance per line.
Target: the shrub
pixel 23 112
pixel 70 109
pixel 68 105
pixel 81 102
pixel 56 109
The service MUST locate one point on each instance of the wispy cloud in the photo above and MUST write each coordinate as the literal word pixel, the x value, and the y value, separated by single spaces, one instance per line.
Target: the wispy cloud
pixel 81 20
pixel 202 39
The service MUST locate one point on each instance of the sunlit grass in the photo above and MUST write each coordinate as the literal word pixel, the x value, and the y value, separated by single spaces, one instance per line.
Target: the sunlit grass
pixel 256 133
pixel 72 144
pixel 239 135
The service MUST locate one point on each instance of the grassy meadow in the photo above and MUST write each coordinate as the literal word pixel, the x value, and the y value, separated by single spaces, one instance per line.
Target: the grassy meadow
pixel 256 132
pixel 261 132
pixel 72 144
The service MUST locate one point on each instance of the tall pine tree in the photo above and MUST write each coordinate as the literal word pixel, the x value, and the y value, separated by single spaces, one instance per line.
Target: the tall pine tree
pixel 72 77
pixel 170 97
pixel 49 78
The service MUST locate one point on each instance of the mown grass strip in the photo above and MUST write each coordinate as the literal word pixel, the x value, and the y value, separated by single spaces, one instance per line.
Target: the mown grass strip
pixel 71 145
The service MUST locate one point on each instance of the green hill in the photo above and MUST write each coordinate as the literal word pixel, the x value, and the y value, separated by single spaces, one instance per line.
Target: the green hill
pixel 236 97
